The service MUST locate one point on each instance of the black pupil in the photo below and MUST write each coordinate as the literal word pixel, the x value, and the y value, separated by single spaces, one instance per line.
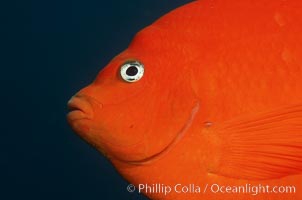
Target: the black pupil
pixel 132 71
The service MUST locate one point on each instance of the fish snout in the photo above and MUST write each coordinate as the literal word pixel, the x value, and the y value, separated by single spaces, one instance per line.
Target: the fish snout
pixel 81 112
pixel 79 108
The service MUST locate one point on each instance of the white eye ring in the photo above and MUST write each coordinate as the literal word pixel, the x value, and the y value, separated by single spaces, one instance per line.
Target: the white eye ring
pixel 132 71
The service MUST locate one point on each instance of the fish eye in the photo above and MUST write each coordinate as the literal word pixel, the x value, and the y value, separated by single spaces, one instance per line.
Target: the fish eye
pixel 132 71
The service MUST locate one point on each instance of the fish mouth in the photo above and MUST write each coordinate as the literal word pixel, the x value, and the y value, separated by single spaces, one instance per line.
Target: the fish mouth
pixel 172 144
pixel 80 110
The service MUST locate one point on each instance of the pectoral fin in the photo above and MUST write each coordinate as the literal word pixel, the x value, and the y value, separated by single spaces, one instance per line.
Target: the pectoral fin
pixel 260 146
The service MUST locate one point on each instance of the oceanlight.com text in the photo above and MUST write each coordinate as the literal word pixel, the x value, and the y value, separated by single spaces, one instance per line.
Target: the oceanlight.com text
pixel 250 189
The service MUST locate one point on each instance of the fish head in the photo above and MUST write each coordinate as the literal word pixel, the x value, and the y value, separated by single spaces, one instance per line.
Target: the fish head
pixel 139 104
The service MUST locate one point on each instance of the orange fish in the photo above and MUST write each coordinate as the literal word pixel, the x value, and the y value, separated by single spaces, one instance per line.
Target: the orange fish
pixel 206 103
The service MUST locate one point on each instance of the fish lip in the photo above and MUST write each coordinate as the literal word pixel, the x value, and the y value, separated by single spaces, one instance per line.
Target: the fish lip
pixel 75 115
pixel 79 108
